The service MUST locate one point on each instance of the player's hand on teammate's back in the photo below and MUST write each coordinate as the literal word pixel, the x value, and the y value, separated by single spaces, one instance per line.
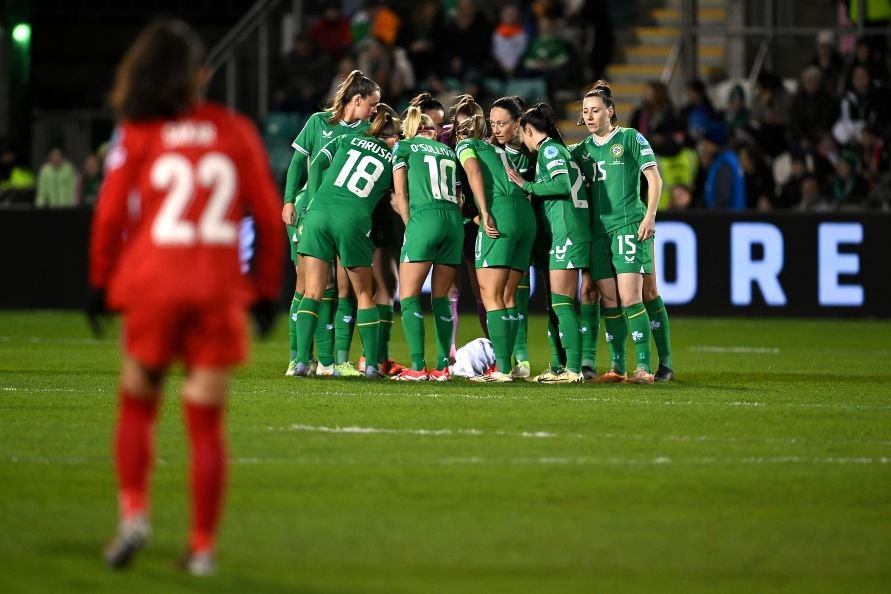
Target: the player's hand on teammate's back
pixel 264 312
pixel 96 311
pixel 515 177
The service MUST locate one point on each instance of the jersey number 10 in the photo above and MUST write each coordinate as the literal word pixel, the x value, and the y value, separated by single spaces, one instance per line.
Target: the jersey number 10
pixel 442 182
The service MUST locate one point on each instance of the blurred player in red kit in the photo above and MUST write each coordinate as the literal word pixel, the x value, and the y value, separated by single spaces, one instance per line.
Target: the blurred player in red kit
pixel 165 252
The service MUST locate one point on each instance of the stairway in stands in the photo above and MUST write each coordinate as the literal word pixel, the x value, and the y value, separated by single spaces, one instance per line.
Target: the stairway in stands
pixel 643 48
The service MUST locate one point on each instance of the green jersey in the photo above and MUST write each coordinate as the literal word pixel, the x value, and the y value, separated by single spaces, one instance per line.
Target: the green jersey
pixel 561 185
pixel 520 160
pixel 432 170
pixel 350 175
pixel 614 168
pixel 316 133
pixel 493 166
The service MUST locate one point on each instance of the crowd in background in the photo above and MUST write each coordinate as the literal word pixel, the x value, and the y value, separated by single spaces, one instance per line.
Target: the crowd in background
pixel 817 143
pixel 822 146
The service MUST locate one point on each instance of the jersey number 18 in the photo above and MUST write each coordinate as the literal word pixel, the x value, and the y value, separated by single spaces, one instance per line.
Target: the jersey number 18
pixel 360 173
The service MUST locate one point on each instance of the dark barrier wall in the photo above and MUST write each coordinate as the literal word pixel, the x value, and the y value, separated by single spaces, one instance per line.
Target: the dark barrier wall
pixel 707 264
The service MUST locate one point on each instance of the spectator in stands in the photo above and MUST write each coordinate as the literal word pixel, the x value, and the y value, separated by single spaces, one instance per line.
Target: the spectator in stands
pixel 864 104
pixel 656 111
pixel 423 36
pixel 737 117
pixel 871 59
pixel 303 77
pixel 811 199
pixel 698 114
pixel 790 194
pixel 376 20
pixel 876 158
pixel 13 175
pixel 723 180
pixel 90 180
pixel 549 57
pixel 470 41
pixel 848 186
pixel 813 109
pixel 770 113
pixel 824 156
pixel 382 63
pixel 331 32
pixel 828 59
pixel 678 164
pixel 56 182
pixel 760 187
pixel 509 42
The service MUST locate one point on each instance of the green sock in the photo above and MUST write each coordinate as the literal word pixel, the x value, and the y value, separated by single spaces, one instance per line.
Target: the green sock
pixel 639 326
pixel 661 330
pixel 443 322
pixel 413 325
pixel 307 319
pixel 513 330
pixel 386 314
pixel 292 324
pixel 558 353
pixel 499 333
pixel 344 324
pixel 521 348
pixel 369 323
pixel 325 330
pixel 564 308
pixel 616 336
pixel 590 328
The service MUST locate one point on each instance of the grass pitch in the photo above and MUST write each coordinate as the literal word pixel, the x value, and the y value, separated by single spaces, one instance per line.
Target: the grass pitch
pixel 765 467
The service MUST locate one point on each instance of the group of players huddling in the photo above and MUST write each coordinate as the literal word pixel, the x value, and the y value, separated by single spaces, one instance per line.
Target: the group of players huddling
pixel 500 195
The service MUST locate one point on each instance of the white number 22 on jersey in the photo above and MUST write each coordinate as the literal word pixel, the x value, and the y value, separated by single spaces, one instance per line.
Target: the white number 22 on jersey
pixel 176 175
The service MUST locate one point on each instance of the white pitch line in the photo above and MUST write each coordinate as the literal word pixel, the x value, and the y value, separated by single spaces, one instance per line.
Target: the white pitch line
pixel 427 432
pixel 520 461
pixel 735 350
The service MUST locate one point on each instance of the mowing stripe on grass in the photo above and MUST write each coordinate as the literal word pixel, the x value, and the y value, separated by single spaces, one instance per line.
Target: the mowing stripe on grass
pixel 431 432
pixel 735 349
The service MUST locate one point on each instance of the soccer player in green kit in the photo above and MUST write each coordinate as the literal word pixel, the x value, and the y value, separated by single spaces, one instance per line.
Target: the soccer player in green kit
pixel 425 180
pixel 504 118
pixel 505 238
pixel 353 104
pixel 347 179
pixel 613 158
pixel 564 230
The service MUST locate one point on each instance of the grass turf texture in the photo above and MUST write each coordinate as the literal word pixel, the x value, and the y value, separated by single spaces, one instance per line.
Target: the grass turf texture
pixel 764 468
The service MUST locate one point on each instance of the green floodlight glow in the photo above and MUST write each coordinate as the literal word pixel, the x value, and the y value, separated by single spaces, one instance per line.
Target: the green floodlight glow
pixel 21 33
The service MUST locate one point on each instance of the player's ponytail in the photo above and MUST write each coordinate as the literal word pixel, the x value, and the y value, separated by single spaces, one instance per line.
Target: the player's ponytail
pixel 602 89
pixel 158 76
pixel 384 124
pixel 542 117
pixel 415 121
pixel 426 102
pixel 472 127
pixel 356 83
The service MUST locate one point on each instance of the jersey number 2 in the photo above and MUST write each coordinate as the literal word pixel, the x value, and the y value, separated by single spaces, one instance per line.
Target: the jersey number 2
pixel 176 175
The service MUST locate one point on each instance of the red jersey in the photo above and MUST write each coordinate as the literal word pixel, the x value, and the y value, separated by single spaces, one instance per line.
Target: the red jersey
pixel 167 218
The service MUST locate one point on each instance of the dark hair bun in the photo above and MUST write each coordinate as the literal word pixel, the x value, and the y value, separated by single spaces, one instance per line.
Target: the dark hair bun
pixel 602 86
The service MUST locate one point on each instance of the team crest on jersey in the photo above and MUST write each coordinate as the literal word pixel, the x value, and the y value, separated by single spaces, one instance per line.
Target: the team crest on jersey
pixel 550 152
pixel 617 150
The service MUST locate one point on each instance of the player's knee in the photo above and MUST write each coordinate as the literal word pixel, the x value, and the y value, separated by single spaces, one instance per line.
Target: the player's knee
pixel 650 290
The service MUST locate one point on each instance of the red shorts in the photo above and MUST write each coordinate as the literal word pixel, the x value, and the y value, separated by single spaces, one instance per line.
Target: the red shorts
pixel 210 335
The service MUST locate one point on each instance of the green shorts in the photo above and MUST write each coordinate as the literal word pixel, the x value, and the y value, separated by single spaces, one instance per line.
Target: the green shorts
pixel 434 234
pixel 513 247
pixel 294 230
pixel 324 236
pixel 619 252
pixel 567 255
pixel 292 240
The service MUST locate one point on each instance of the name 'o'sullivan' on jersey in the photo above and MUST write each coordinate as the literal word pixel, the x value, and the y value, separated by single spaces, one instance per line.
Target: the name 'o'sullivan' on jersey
pixel 352 172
